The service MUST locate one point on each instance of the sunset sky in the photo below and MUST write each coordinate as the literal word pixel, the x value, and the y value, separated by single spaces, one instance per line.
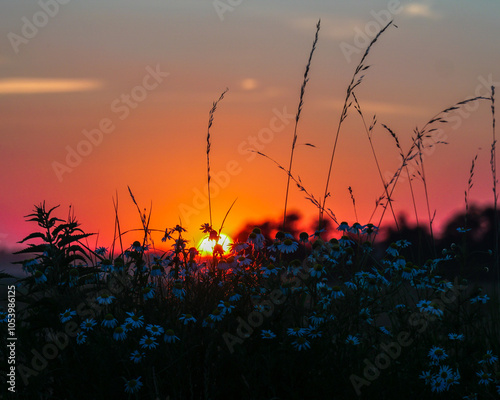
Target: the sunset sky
pixel 145 74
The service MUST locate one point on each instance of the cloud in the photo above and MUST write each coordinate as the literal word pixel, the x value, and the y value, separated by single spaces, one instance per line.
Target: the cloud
pixel 422 10
pixel 46 85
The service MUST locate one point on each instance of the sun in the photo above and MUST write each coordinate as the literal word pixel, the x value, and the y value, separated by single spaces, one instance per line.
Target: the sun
pixel 206 246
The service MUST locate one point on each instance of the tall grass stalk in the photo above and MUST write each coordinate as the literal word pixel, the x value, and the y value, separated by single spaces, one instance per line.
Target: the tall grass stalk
pixel 297 117
pixel 369 131
pixel 355 82
pixel 493 164
pixel 210 123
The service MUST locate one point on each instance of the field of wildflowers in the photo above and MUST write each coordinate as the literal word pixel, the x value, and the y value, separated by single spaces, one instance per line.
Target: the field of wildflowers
pixel 319 315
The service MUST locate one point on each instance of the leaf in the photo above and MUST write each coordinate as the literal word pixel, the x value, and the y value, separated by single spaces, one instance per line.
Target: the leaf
pixel 33 236
pixel 73 238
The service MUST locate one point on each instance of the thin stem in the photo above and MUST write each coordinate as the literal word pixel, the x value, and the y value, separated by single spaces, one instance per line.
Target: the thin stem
pixel 297 117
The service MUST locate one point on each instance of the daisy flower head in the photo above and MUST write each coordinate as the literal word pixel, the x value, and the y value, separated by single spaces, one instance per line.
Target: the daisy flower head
pixel 257 239
pixel 267 334
pixel 480 299
pixel 105 299
pixel 148 293
pixel 351 339
pixel 154 330
pixel 484 377
pixel 343 227
pixel 106 265
pixel 187 318
pixel 369 229
pixel 296 331
pixel 304 237
pixel 313 332
pixel 81 338
pixel 356 228
pixel 345 241
pixel 288 246
pixel 301 343
pixel 101 250
pixel 393 250
pixel 88 324
pixel 148 342
pixel 178 290
pixel 109 321
pixel 136 356
pixel 489 358
pixel 337 292
pixel 119 333
pixel 170 336
pixel 135 320
pixel 456 336
pixel 67 315
pixel 156 270
pixel 133 385
pixel 437 354
pixel 317 319
pixel 435 310
pixel 424 305
pixel 317 270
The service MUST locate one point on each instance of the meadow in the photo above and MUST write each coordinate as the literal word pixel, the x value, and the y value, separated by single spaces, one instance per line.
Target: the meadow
pixel 310 315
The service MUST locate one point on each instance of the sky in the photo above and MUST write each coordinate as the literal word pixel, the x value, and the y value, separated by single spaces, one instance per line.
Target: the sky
pixel 99 96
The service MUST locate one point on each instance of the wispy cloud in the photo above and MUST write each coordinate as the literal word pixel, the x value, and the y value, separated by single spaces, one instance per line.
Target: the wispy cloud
pixel 423 10
pixel 46 85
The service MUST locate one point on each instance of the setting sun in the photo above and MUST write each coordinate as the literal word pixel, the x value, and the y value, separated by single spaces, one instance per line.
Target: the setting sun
pixel 206 246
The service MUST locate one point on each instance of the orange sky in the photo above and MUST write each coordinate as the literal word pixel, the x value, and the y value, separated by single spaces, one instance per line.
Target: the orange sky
pixel 148 72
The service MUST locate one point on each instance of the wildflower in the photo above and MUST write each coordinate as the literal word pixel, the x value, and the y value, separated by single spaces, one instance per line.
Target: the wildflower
pixel 81 338
pixel 489 358
pixel 437 354
pixel 365 314
pixel 435 310
pixel 456 336
pixel 105 298
pixel 337 292
pixel 256 238
pixel 67 315
pixel 156 270
pixel 208 322
pixel 463 230
pixel 313 332
pixel 383 329
pixel 304 237
pixel 288 246
pixel 351 285
pixel 427 376
pixel 170 336
pixel 424 305
pixel 343 227
pixel 148 293
pixel 317 319
pixel 187 318
pixel 369 228
pixel 235 297
pixel 345 241
pixel 393 250
pixel 178 290
pixel 484 377
pixel 356 228
pixel 480 299
pixel 354 340
pixel 136 246
pixel 39 276
pixel 296 331
pixel 119 333
pixel 136 356
pixel 267 334
pixel 109 321
pixel 148 342
pixel 154 330
pixel 106 265
pixel 4 317
pixel 88 324
pixel 301 343
pixel 317 270
pixel 101 251
pixel 407 273
pixel 135 320
pixel 403 243
pixel 133 385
